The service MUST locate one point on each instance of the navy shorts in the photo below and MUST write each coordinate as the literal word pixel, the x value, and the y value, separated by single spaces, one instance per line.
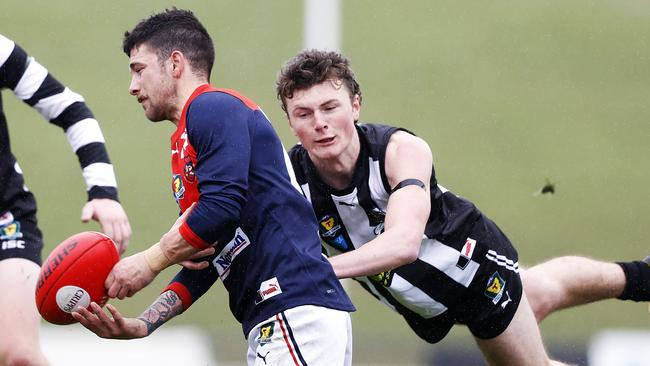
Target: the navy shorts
pixel 490 302
pixel 19 233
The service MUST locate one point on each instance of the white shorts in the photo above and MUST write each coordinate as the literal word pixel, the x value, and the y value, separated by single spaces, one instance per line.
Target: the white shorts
pixel 301 336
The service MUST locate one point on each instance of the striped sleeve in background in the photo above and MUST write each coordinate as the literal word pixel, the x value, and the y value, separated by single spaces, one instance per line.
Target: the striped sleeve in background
pixel 32 83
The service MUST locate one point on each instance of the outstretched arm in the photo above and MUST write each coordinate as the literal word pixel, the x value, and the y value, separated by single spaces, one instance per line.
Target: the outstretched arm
pixel 115 326
pixel 407 157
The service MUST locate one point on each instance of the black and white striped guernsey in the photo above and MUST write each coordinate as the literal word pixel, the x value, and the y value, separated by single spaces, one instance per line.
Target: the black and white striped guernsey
pixel 425 290
pixel 33 84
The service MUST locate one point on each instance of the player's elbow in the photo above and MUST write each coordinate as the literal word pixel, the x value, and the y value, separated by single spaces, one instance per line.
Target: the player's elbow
pixel 410 248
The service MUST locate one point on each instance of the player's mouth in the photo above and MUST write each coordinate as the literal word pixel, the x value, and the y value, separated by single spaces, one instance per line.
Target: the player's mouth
pixel 141 99
pixel 325 141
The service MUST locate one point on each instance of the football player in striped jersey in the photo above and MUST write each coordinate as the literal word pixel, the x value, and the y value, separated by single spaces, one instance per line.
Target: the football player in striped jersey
pixel 425 252
pixel 20 238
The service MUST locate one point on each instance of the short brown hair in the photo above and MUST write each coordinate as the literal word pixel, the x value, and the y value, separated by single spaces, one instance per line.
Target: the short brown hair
pixel 312 67
pixel 174 29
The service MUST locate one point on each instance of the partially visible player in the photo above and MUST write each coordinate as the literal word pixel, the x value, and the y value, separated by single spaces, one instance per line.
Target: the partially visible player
pixel 20 239
pixel 230 163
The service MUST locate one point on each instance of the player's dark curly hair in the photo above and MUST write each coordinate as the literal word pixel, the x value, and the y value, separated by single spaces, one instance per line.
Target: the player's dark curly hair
pixel 312 67
pixel 174 29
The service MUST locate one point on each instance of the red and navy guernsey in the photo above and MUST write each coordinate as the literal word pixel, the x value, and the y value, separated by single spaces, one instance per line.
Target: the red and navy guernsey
pixel 228 159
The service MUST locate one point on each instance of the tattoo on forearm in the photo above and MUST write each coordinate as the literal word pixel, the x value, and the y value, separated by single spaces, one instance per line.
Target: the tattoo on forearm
pixel 166 306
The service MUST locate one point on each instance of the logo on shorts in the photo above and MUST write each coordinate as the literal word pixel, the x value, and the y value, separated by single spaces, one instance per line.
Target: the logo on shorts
pixel 268 289
pixel 10 231
pixel 495 287
pixel 266 332
pixel 177 186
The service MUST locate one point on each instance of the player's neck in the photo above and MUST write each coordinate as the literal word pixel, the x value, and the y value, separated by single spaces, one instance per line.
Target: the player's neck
pixel 184 89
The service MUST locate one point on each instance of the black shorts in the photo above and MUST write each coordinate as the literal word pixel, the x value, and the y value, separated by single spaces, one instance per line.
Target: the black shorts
pixel 489 303
pixel 19 233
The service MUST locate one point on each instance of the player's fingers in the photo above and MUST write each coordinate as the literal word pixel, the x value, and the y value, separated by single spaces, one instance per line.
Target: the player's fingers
pixel 194 265
pixel 82 315
pixel 107 228
pixel 203 253
pixel 126 235
pixel 122 293
pixel 116 314
pixel 118 236
pixel 86 212
pixel 111 285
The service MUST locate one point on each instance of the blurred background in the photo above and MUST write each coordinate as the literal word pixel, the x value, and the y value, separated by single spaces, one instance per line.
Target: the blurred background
pixel 508 94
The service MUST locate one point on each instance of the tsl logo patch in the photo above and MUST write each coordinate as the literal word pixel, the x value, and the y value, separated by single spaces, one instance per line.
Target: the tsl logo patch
pixel 266 332
pixel 329 227
pixel 177 186
pixel 10 231
pixel 495 287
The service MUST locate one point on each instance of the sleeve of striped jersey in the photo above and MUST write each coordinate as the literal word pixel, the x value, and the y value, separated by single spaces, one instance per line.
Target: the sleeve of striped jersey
pixel 190 285
pixel 217 127
pixel 34 85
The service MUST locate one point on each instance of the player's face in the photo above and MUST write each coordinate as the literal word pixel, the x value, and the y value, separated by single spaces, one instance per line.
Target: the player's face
pixel 151 84
pixel 322 117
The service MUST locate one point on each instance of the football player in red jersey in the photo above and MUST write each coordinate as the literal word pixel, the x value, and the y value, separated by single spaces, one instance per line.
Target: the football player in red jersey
pixel 231 180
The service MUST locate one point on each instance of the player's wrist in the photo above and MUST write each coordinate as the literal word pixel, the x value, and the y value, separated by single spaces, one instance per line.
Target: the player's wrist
pixel 156 258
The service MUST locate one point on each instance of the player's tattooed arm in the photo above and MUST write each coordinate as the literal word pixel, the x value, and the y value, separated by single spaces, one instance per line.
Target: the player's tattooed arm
pixel 166 306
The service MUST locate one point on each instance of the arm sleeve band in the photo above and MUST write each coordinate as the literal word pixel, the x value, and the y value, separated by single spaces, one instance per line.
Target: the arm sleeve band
pixel 408 182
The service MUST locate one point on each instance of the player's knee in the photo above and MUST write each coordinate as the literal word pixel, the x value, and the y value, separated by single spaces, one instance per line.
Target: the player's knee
pixel 538 290
pixel 22 356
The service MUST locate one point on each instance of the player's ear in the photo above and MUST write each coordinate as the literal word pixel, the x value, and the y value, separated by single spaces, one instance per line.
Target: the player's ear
pixel 177 63
pixel 356 107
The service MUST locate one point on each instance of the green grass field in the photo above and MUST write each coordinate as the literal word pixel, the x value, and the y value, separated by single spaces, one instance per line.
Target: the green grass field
pixel 508 94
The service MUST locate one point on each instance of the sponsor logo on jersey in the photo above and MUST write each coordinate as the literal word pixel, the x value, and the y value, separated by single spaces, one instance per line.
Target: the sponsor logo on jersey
pixel 6 218
pixel 224 260
pixel 468 248
pixel 10 231
pixel 495 287
pixel 340 243
pixel 266 332
pixel 267 290
pixel 13 244
pixel 188 171
pixel 329 228
pixel 330 231
pixel 466 253
pixel 384 278
pixel 177 186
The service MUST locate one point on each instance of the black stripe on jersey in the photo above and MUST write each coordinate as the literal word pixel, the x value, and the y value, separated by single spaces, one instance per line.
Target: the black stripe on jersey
pixel 293 339
pixel 13 69
pixel 102 192
pixel 94 152
pixel 432 282
pixel 48 88
pixel 74 113
pixel 431 330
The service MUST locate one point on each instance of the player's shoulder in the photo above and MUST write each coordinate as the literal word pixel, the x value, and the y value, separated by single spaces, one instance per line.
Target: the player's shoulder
pixel 217 99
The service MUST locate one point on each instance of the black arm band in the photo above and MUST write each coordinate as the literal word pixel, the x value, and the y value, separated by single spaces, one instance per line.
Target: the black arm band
pixel 409 182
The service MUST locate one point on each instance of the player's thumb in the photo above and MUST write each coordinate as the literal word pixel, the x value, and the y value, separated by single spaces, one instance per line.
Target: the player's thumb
pixel 87 212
